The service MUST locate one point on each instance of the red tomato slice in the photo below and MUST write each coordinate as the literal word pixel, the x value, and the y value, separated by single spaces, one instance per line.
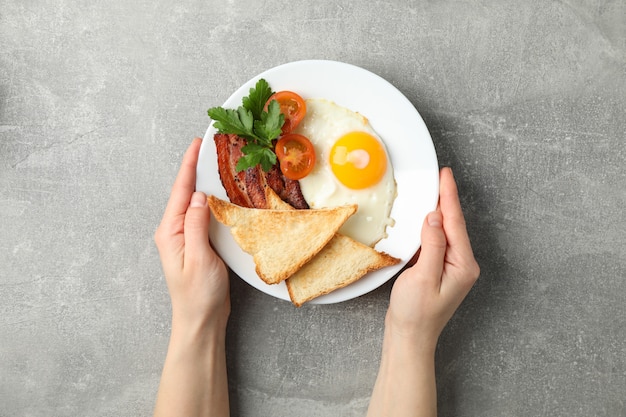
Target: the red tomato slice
pixel 296 156
pixel 292 106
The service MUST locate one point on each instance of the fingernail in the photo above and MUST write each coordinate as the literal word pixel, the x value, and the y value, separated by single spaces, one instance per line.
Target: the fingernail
pixel 434 219
pixel 198 199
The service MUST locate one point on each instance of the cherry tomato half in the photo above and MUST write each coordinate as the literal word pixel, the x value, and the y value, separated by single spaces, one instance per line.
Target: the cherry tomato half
pixel 292 106
pixel 296 156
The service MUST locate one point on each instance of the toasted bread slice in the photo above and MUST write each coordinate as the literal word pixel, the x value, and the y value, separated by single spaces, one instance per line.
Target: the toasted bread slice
pixel 274 202
pixel 341 262
pixel 280 241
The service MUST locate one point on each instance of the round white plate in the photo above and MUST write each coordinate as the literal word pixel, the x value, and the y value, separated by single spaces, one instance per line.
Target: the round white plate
pixel 397 122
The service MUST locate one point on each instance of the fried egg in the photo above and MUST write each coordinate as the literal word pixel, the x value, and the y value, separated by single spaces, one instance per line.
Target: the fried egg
pixel 352 167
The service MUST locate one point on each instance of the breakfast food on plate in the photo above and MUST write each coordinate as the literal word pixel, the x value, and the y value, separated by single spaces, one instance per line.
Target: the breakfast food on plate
pixel 353 168
pixel 245 145
pixel 277 153
pixel 246 187
pixel 341 262
pixel 280 241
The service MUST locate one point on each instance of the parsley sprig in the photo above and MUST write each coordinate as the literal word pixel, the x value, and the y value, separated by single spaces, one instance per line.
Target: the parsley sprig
pixel 251 122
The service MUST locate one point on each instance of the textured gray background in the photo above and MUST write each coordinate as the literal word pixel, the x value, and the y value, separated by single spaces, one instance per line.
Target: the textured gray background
pixel 525 100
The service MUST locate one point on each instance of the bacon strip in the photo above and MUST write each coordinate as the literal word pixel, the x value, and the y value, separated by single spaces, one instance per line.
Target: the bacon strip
pixel 246 188
pixel 294 194
pixel 228 153
pixel 255 187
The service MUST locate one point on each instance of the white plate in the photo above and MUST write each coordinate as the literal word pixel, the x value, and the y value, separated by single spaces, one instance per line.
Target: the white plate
pixel 397 122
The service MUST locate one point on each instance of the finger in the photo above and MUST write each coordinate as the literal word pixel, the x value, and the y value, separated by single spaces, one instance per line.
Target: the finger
pixel 185 182
pixel 459 262
pixel 453 219
pixel 433 250
pixel 197 229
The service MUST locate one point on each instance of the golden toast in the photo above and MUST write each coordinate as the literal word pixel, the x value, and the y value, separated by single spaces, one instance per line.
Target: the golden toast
pixel 280 241
pixel 341 262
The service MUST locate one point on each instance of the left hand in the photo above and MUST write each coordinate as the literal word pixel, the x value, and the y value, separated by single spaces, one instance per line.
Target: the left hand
pixel 196 277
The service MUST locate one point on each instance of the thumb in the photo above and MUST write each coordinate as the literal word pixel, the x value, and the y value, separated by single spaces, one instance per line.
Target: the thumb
pixel 433 250
pixel 197 227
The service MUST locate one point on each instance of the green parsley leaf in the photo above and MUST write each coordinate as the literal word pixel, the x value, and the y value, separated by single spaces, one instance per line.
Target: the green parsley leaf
pixel 254 155
pixel 258 96
pixel 269 127
pixel 231 121
pixel 253 123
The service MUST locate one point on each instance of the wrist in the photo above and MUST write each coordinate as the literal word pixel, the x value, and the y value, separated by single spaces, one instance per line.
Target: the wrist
pixel 197 334
pixel 411 336
pixel 196 321
pixel 405 385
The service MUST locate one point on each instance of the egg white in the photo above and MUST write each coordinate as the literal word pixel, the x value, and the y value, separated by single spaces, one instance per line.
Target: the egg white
pixel 325 122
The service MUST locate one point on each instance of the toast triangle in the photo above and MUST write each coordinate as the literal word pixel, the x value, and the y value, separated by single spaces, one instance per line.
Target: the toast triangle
pixel 280 241
pixel 340 263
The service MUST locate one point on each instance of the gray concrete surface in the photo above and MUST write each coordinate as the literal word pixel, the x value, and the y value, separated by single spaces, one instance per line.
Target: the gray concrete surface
pixel 525 100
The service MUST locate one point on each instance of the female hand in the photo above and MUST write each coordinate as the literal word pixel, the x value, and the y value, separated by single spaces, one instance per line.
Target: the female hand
pixel 196 277
pixel 423 299
pixel 426 295
pixel 194 380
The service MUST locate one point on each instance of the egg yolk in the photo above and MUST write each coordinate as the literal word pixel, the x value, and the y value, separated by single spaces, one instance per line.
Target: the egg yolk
pixel 358 160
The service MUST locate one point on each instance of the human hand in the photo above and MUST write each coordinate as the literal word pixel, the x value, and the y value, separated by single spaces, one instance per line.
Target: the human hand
pixel 194 380
pixel 426 295
pixel 196 277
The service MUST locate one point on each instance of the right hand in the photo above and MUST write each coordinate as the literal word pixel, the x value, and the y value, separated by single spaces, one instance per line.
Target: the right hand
pixel 426 295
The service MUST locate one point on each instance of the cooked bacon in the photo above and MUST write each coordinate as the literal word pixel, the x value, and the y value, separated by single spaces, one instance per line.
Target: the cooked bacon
pixel 255 187
pixel 288 190
pixel 228 153
pixel 246 188
pixel 294 194
pixel 276 180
